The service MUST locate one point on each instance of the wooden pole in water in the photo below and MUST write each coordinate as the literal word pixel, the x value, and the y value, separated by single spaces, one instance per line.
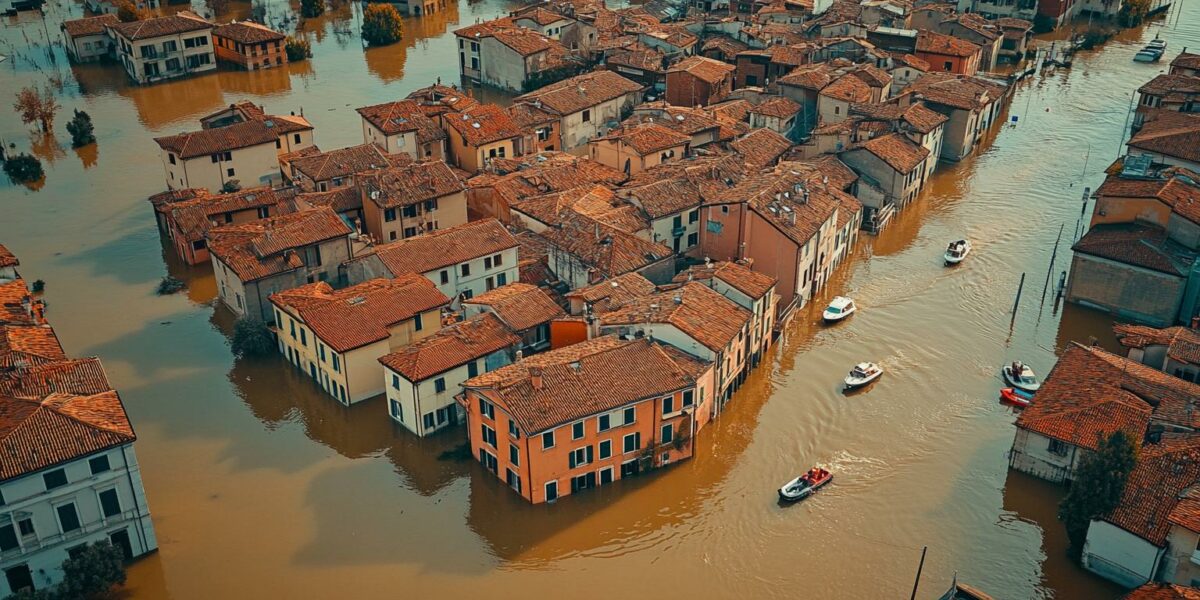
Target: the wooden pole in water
pixel 920 566
pixel 1017 302
pixel 1049 271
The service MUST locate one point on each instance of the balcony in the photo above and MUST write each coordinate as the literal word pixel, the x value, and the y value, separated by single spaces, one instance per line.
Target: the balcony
pixel 35 543
pixel 678 231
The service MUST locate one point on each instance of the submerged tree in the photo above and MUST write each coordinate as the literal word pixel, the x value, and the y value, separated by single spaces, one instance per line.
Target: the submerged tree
pixel 24 168
pixel 1097 488
pixel 80 128
pixel 128 12
pixel 93 572
pixel 297 49
pixel 382 24
pixel 252 338
pixel 312 8
pixel 37 106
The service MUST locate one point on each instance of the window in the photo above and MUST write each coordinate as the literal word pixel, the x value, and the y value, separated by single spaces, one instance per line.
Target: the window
pixel 172 64
pixel 513 480
pixel 630 416
pixel 410 232
pixel 395 381
pixel 25 527
pixel 68 517
pixel 514 455
pixel 551 491
pixel 668 405
pixel 489 435
pixel 514 430
pixel 465 269
pixel 54 479
pixel 171 157
pixel 547 440
pixel 439 385
pixel 949 66
pixel 688 398
pixel 337 364
pixel 389 215
pixel 587 116
pixel 229 172
pixel 487 263
pixel 417 324
pixel 397 411
pixel 694 216
pixel 429 422
pixel 110 504
pixel 303 337
pixel 668 433
pixel 8 538
pixel 602 423
pixel 99 464
pixel 321 351
pixel 431 205
pixel 296 138
pixel 409 211
pixel 631 442
pixel 605 449
pixel 580 456
pixel 693 239
pixel 445 276
pixel 487 409
pixel 577 430
pixel 1059 448
pixel 472 369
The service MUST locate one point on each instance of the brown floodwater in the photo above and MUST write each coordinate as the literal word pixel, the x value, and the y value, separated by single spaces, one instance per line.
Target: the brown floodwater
pixel 262 487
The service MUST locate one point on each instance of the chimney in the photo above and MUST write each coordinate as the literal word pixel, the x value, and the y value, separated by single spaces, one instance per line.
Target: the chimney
pixel 520 355
pixel 535 377
pixel 1196 323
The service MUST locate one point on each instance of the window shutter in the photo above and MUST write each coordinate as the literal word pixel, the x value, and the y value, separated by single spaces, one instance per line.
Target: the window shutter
pixel 571 460
pixel 590 454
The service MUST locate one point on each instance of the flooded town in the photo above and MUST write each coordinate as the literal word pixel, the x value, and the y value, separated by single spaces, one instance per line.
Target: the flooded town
pixel 450 298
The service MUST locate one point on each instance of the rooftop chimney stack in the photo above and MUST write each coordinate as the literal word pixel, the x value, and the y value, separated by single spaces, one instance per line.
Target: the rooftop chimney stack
pixel 535 377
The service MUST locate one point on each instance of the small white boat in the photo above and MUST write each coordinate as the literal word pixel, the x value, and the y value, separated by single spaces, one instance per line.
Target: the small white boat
pixel 957 251
pixel 862 374
pixel 839 308
pixel 1157 44
pixel 1020 376
pixel 804 485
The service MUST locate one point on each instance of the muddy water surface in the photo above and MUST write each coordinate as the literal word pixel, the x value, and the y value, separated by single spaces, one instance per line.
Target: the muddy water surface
pixel 261 487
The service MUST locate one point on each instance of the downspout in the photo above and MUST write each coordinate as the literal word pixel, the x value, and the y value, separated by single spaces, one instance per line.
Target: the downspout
pixel 141 533
pixel 417 407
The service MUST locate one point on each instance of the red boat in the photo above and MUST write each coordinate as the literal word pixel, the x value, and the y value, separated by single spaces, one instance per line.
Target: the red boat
pixel 804 485
pixel 1016 397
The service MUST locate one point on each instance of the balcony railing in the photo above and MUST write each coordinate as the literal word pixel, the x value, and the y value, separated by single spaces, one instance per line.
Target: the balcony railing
pixel 34 543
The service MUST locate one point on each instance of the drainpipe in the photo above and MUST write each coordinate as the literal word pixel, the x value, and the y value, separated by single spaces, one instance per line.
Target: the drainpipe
pixel 417 408
pixel 141 533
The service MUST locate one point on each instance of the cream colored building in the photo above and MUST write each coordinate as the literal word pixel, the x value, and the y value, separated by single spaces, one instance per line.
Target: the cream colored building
pixel 246 151
pixel 312 326
pixel 587 105
pixel 160 48
pixel 633 150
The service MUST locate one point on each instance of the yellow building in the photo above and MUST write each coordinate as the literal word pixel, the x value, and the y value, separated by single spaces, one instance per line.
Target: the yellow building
pixel 338 336
pixel 480 133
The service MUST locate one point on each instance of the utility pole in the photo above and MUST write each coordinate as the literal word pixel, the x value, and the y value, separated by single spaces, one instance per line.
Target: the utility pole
pixel 920 566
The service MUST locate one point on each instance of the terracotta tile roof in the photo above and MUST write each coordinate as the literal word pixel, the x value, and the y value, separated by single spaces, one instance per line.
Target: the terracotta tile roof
pixel 438 99
pixel 1186 514
pixel 1172 87
pixel 451 347
pixel 1183 343
pixel 1176 187
pixel 726 45
pixel 1170 133
pixel 761 148
pixel 595 201
pixel 931 42
pixel 259 249
pixel 671 33
pixel 738 276
pixel 605 249
pixel 734 110
pixel 247 32
pixel 1163 472
pixel 646 138
pixel 483 124
pixel 1186 60
pixel 583 379
pixel 645 59
pixel 7 259
pixel 534 259
pixel 1172 398
pixel 528 117
pixel 343 199
pixel 1014 23
pixel 910 60
pixel 574 94
pixel 760 192
pixel 778 107
pixel 685 120
pixel 82 376
pixel 403 116
pixel 194 218
pixel 1085 398
pixel 221 139
pixel 712 71
pixel 445 247
pixel 1163 591
pixel 872 75
pixel 614 293
pixel 16 304
pixel 162 201
pixel 361 314
pixel 695 309
pixel 957 91
pixel 180 22
pixel 541 16
pixel 923 119
pixel 848 88
pixel 29 345
pixel 342 162
pixel 1136 244
pixel 519 305
pixel 409 184
pixel 899 152
pixel 89 25
pixel 666 197
pixel 543 173
pixel 43 432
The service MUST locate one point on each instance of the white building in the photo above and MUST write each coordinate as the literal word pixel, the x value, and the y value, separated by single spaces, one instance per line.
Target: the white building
pixel 423 378
pixel 466 260
pixel 75 482
pixel 246 151
pixel 164 47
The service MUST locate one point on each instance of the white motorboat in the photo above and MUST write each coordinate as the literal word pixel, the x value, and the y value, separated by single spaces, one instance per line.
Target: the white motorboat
pixel 957 251
pixel 862 374
pixel 804 485
pixel 839 308
pixel 1020 376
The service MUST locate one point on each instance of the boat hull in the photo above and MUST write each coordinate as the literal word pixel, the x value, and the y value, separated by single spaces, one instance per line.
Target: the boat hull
pixel 856 383
pixel 1017 384
pixel 805 493
pixel 1015 397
